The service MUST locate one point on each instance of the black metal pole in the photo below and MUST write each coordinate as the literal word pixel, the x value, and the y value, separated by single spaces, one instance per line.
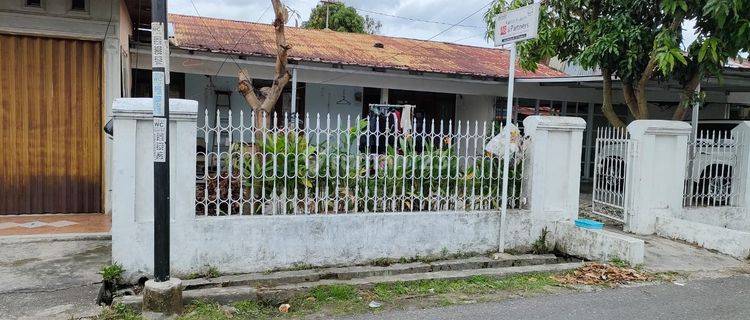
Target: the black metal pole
pixel 160 94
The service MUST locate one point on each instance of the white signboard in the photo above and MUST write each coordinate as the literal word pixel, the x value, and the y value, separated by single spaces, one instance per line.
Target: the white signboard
pixel 157 45
pixel 157 80
pixel 517 25
pixel 160 139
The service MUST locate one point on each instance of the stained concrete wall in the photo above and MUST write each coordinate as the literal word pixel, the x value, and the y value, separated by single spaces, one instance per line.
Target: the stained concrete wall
pixel 260 243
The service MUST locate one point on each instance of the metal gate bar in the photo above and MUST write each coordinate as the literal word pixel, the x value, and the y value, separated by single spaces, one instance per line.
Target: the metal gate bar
pixel 613 154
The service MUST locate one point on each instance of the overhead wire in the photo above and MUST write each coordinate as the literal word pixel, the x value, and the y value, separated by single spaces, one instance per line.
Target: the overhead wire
pixel 413 19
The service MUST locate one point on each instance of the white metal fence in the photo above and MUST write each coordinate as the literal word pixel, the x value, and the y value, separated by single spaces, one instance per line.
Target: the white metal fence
pixel 614 152
pixel 712 159
pixel 332 164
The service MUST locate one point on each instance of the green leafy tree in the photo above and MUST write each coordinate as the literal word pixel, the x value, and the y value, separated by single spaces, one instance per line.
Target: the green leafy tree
pixel 635 41
pixel 341 18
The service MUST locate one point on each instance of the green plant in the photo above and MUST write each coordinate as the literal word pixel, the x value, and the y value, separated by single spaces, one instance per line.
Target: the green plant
pixel 208 271
pixel 119 312
pixel 540 245
pixel 290 170
pixel 112 273
pixel 617 262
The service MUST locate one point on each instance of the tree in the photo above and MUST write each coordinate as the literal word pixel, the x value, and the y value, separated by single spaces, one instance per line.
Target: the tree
pixel 341 18
pixel 723 33
pixel 264 99
pixel 372 25
pixel 633 40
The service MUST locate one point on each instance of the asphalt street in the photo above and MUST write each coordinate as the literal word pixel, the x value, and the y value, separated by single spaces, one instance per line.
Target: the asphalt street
pixel 715 299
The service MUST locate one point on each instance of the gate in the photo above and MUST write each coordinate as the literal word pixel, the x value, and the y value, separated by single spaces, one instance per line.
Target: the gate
pixel 614 154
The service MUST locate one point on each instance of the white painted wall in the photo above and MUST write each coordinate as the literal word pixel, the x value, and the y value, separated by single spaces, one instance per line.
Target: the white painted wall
pixel 326 99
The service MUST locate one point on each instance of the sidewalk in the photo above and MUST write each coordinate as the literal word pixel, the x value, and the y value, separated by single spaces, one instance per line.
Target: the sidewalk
pixel 54 224
pixel 49 265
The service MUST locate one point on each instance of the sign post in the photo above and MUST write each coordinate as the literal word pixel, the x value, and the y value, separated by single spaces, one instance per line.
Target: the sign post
pixel 511 27
pixel 160 94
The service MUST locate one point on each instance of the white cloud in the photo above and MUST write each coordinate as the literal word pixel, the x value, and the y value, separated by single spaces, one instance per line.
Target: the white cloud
pixel 446 11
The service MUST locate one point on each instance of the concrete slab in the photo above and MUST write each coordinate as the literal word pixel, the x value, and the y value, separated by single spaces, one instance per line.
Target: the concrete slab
pixel 45 279
pixel 664 255
pixel 600 245
pixel 732 242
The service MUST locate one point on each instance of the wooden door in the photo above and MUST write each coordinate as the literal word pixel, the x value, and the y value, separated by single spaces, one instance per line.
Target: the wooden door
pixel 50 125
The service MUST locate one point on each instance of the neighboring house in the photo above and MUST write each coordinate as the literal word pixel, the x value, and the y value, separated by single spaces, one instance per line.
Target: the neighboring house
pixel 61 66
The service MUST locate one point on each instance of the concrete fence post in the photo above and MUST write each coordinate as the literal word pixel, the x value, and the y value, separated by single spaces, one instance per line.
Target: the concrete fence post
pixel 741 174
pixel 132 178
pixel 657 179
pixel 554 168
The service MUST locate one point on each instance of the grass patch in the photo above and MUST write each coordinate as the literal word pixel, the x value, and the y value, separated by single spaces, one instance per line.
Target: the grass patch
pixel 473 285
pixel 119 312
pixel 208 272
pixel 338 300
pixel 617 262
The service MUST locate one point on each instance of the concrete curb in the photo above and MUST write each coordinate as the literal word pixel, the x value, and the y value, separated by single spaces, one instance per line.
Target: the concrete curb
pixel 282 293
pixel 54 237
pixel 347 273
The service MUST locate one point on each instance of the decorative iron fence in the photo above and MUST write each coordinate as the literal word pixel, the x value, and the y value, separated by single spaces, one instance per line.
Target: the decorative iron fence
pixel 712 159
pixel 614 154
pixel 331 164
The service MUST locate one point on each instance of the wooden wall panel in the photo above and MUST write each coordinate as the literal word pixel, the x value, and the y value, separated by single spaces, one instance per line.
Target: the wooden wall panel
pixel 50 129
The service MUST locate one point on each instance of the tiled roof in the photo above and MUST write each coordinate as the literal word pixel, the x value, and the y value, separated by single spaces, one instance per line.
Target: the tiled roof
pixel 256 39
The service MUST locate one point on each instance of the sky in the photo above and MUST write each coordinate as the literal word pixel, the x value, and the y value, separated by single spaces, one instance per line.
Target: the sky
pixel 446 12
pixel 441 14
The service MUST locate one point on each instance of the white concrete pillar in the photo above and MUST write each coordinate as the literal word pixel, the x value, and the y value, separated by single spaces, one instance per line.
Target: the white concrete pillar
pixel 741 173
pixel 112 90
pixel 133 176
pixel 554 167
pixel 384 96
pixel 657 174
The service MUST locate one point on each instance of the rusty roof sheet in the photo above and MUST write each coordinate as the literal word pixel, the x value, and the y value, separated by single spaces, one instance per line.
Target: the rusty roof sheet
pixel 257 39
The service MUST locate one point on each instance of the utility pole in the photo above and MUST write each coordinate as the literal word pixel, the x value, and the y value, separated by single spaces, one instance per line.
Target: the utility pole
pixel 328 10
pixel 160 86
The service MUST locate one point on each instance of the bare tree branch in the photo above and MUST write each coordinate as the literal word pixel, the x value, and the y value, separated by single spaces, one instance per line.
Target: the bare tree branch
pixel 269 95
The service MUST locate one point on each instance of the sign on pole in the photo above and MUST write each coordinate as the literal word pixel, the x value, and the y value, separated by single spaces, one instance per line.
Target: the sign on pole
pixel 517 25
pixel 511 27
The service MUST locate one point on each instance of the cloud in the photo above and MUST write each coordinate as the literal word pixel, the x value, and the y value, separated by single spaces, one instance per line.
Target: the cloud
pixel 445 11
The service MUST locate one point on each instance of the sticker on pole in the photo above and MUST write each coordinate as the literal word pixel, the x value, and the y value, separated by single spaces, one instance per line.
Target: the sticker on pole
pixel 157 86
pixel 158 53
pixel 517 25
pixel 160 139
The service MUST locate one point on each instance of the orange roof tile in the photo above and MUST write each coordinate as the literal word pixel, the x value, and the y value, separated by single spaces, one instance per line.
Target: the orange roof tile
pixel 256 39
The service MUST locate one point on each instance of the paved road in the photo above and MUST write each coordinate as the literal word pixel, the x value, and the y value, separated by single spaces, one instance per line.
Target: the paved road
pixel 716 299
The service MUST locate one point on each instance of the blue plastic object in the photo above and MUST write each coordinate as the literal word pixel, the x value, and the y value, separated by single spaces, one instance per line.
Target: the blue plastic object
pixel 589 224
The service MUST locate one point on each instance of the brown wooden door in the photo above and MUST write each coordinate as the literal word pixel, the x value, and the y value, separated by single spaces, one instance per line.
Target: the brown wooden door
pixel 50 125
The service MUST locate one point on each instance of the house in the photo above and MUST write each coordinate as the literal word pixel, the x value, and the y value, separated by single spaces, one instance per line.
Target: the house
pixel 342 73
pixel 63 62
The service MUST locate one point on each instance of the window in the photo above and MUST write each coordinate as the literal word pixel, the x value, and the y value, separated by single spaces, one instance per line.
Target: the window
pixel 78 5
pixel 34 3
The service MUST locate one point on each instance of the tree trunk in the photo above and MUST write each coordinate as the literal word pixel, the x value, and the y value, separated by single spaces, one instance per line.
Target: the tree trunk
pixel 607 109
pixel 688 91
pixel 629 96
pixel 263 106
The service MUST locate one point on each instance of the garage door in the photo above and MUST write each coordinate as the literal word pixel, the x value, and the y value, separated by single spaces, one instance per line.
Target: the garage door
pixel 50 134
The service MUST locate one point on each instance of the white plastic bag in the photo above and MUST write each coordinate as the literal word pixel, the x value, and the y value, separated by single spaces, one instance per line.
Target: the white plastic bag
pixel 495 145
